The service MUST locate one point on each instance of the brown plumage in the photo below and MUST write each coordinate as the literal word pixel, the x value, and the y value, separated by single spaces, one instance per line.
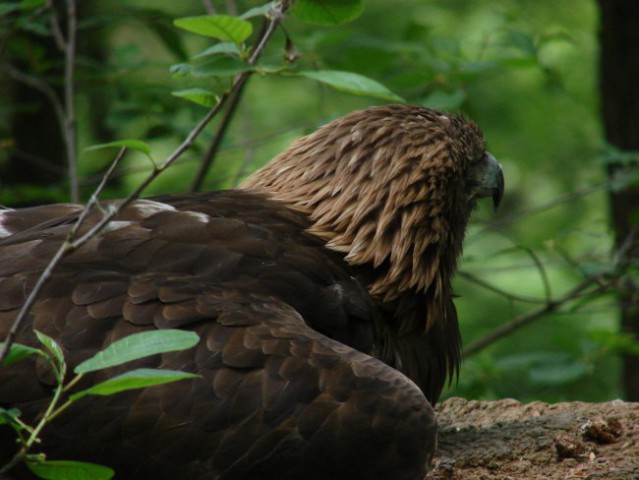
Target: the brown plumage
pixel 338 251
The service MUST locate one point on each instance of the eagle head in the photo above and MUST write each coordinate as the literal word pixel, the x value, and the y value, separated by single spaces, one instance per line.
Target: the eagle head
pixel 390 186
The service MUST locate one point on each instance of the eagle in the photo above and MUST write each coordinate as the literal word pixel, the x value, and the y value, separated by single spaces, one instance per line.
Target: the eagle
pixel 320 290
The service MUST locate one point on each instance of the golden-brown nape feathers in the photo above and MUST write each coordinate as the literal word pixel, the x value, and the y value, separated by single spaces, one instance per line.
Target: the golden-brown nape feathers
pixel 392 189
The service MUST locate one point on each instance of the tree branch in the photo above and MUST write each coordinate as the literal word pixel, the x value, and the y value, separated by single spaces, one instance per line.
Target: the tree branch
pixel 266 32
pixel 69 101
pixel 66 247
pixel 71 243
pixel 522 320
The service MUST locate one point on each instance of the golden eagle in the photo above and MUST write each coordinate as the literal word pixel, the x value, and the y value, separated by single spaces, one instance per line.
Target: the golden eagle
pixel 321 292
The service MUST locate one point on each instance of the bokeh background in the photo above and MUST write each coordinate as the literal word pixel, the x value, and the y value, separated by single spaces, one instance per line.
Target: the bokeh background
pixel 526 72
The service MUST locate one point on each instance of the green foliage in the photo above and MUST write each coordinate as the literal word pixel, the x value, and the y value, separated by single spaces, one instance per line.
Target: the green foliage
pixel 524 71
pixel 69 470
pixel 198 95
pixel 130 348
pixel 352 83
pixel 17 352
pixel 222 27
pixel 132 144
pixel 328 12
pixel 137 346
pixel 140 378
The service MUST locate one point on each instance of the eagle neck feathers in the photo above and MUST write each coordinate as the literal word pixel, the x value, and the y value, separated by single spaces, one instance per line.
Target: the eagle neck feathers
pixel 382 186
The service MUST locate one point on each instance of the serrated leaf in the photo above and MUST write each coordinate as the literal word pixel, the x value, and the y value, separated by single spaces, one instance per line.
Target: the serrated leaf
pixel 132 144
pixel 223 48
pixel 138 345
pixel 223 27
pixel 70 470
pixel 52 346
pixel 197 95
pixel 140 378
pixel 17 352
pixel 353 83
pixel 327 12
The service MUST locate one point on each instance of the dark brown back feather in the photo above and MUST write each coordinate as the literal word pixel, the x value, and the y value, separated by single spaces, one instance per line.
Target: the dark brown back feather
pixel 340 250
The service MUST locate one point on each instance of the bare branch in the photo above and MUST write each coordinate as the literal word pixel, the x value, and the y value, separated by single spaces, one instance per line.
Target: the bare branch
pixel 488 286
pixel 67 246
pixel 58 37
pixel 550 306
pixel 214 147
pixel 70 244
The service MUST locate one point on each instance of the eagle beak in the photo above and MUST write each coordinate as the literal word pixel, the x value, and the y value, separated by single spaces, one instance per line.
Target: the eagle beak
pixel 487 180
pixel 494 180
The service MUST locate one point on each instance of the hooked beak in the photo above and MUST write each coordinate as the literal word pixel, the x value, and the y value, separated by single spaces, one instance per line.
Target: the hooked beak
pixel 495 180
pixel 488 180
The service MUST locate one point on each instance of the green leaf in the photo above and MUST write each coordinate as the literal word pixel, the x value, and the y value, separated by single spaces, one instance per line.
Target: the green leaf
pixel 443 100
pixel 261 11
pixel 223 48
pixel 215 67
pixel 132 144
pixel 353 83
pixel 24 5
pixel 8 416
pixel 17 352
pixel 197 95
pixel 137 346
pixel 140 378
pixel 52 346
pixel 327 12
pixel 223 27
pixel 69 470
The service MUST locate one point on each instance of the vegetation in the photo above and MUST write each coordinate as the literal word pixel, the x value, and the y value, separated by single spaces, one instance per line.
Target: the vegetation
pixel 538 281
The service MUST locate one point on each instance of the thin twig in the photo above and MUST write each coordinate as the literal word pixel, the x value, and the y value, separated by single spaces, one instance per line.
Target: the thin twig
pixel 528 317
pixel 208 7
pixel 58 37
pixel 555 202
pixel 231 7
pixel 41 86
pixel 69 101
pixel 214 147
pixel 489 286
pixel 70 244
pixel 33 437
pixel 268 28
pixel 66 247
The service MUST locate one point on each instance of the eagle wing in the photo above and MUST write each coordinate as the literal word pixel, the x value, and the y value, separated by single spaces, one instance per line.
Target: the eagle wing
pixel 286 388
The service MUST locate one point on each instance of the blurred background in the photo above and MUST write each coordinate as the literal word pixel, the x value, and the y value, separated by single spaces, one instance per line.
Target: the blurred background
pixel 548 268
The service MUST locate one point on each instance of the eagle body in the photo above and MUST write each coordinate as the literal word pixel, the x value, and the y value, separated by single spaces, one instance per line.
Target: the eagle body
pixel 320 291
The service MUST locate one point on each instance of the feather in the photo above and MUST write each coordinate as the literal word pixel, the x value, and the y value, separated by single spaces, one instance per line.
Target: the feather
pixel 321 292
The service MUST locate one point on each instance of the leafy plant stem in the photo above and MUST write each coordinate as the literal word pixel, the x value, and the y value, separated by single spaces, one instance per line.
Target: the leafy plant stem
pixel 46 418
pixel 66 247
pixel 235 93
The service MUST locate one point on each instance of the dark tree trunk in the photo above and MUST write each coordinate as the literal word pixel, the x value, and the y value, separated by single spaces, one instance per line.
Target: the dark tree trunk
pixel 619 88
